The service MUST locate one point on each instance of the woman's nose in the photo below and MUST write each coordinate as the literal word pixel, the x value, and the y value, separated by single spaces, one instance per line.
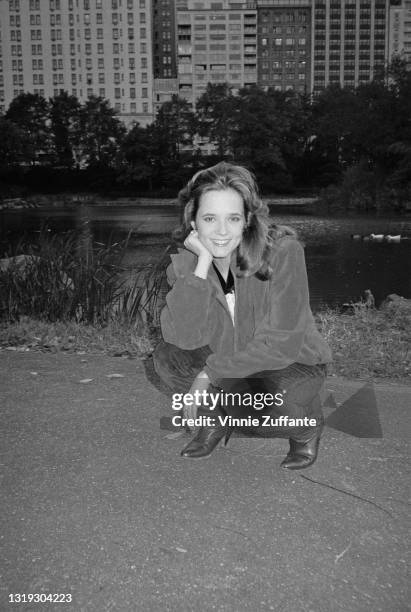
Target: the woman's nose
pixel 222 229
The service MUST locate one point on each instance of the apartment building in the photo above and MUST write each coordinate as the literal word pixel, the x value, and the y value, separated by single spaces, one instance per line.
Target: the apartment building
pixel 284 44
pixel 350 41
pixel 400 30
pixel 216 43
pixel 85 47
pixel 165 82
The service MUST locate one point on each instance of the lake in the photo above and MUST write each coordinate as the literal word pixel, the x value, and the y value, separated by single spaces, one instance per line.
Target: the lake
pixel 339 267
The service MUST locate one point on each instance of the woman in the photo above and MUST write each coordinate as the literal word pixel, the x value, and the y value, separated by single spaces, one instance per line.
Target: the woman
pixel 237 321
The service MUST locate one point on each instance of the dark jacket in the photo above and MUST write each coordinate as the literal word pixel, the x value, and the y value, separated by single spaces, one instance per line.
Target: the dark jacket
pixel 274 326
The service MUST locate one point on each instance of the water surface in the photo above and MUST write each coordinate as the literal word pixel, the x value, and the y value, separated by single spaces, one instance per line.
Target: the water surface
pixel 339 268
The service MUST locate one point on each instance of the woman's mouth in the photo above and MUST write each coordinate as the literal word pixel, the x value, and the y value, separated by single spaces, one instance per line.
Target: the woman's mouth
pixel 221 243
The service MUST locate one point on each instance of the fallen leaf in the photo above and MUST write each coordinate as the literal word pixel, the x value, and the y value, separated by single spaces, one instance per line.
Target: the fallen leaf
pixel 175 435
pixel 86 380
pixel 115 375
pixel 34 373
pixel 183 550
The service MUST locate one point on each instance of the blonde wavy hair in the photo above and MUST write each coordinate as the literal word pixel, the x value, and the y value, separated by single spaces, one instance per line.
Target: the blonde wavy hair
pixel 261 235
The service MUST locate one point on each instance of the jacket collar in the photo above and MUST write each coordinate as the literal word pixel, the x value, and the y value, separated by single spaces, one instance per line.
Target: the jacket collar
pixel 187 262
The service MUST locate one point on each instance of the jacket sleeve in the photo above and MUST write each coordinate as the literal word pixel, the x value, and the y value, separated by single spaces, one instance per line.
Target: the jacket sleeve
pixel 279 336
pixel 185 317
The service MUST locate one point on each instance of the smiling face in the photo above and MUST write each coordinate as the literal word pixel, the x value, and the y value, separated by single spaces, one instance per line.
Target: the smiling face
pixel 220 222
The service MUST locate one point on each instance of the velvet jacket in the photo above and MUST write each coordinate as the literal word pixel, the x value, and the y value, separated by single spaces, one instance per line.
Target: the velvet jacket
pixel 274 326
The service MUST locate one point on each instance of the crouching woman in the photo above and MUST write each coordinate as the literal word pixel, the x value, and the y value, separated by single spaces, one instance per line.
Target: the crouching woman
pixel 237 321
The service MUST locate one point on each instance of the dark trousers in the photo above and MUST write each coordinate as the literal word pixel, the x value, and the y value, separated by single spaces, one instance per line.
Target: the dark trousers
pixel 297 386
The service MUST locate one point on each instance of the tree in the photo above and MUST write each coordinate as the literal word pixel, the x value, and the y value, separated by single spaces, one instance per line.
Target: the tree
pixel 174 128
pixel 101 134
pixel 215 110
pixel 65 127
pixel 173 131
pixel 31 113
pixel 262 136
pixel 12 143
pixel 138 161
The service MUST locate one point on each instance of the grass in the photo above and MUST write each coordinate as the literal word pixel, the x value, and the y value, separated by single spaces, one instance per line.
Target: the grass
pixel 369 342
pixel 116 338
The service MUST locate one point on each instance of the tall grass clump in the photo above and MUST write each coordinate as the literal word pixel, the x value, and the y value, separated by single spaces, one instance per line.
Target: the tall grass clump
pixel 61 277
pixel 143 296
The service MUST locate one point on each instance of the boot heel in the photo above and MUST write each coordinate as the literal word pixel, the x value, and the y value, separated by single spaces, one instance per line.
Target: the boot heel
pixel 228 435
pixel 205 441
pixel 303 451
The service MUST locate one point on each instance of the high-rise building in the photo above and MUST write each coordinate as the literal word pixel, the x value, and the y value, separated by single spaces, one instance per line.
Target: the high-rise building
pixel 164 51
pixel 164 39
pixel 85 47
pixel 216 43
pixel 349 41
pixel 284 44
pixel 400 30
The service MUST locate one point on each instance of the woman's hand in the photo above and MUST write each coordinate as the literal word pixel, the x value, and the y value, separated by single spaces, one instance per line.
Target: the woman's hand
pixel 194 244
pixel 200 384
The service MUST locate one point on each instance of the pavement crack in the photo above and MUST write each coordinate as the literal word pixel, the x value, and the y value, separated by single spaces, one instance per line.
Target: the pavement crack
pixel 364 499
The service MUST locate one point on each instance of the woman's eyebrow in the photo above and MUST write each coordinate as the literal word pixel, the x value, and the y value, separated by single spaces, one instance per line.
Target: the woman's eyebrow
pixel 230 214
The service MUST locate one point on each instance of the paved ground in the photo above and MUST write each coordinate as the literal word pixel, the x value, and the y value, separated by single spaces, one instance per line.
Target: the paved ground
pixel 96 501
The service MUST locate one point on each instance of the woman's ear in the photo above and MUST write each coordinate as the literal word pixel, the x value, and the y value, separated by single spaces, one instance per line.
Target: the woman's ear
pixel 193 225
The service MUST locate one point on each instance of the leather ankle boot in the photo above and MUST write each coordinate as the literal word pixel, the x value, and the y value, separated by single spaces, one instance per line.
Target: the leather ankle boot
pixel 205 441
pixel 303 449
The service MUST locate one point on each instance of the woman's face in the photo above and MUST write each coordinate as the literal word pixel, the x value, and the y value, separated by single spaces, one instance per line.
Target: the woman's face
pixel 220 221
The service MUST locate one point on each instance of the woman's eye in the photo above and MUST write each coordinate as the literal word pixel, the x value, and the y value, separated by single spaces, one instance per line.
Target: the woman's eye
pixel 208 219
pixel 235 219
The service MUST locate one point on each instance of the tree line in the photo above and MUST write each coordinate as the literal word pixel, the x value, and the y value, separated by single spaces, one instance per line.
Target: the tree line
pixel 352 143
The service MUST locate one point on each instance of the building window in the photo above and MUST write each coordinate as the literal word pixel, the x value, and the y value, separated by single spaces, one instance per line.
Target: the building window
pixel 117 93
pixel 144 92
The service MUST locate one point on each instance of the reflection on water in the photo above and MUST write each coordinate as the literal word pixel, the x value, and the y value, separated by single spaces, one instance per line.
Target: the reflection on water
pixel 339 268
